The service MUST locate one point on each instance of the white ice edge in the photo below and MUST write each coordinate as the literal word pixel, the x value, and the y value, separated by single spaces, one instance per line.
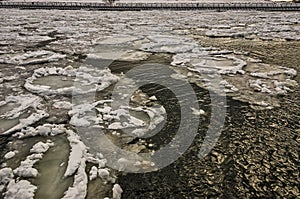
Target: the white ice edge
pixel 23 102
pixel 26 168
pixel 85 78
pixel 33 118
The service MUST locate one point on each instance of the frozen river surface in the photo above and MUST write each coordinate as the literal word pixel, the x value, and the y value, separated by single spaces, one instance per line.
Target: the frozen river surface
pixel 65 128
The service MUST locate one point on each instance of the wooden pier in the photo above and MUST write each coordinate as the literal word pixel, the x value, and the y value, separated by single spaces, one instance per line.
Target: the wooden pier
pixel 151 6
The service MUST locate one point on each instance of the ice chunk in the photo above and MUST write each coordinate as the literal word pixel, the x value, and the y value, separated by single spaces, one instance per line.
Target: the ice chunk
pixel 30 171
pixel 197 112
pixel 153 98
pixel 22 189
pixel 103 174
pixel 168 44
pixel 10 155
pixel 93 173
pixel 41 147
pixel 79 188
pixel 78 149
pixel 35 57
pixel 117 191
pixel 291 72
pixel 33 118
pixel 87 80
pixel 261 75
pixel 259 86
pixel 62 105
pixel 26 167
pixel 228 87
pixel 23 102
pixel 6 174
pixel 43 130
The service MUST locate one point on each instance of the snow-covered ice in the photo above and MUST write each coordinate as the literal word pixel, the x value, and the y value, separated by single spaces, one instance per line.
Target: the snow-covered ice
pixel 21 189
pixel 117 191
pixel 87 80
pixel 10 154
pixel 93 173
pixel 22 102
pixel 62 105
pixel 78 149
pixel 79 188
pixel 33 118
pixel 26 168
pixel 37 57
pixel 43 130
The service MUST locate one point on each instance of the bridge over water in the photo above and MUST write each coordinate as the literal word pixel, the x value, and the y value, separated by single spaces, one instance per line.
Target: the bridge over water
pixel 151 6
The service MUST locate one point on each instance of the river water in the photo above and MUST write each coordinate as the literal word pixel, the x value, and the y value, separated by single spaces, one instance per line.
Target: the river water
pixel 88 99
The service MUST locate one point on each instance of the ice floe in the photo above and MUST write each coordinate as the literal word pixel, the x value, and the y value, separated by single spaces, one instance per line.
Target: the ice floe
pixel 25 109
pixel 121 55
pixel 135 56
pixel 198 112
pixel 118 119
pixel 21 104
pixel 168 44
pixel 20 189
pixel 35 57
pixel 117 191
pixel 104 174
pixel 222 64
pixel 78 149
pixel 43 130
pixel 118 39
pixel 26 168
pixel 76 162
pixel 87 80
pixel 10 154
pixel 79 188
pixel 33 118
pixel 122 48
pixel 62 105
pixel 6 175
pixel 93 173
pixel 241 76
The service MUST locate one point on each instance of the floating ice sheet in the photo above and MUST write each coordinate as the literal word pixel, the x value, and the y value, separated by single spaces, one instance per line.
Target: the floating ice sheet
pixel 87 80
pixel 20 104
pixel 117 119
pixel 37 57
pixel 244 78
pixel 168 44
